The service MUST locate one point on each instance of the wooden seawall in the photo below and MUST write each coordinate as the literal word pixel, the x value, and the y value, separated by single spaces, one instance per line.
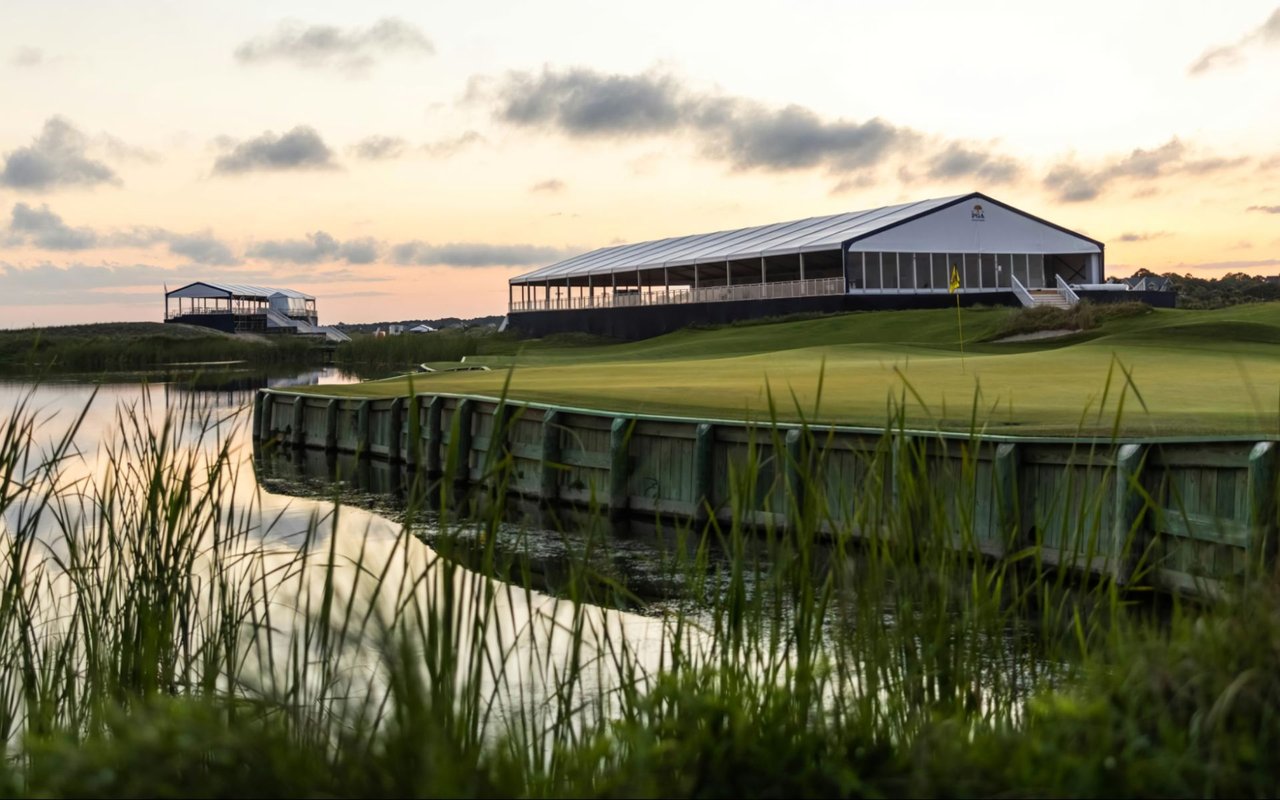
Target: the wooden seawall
pixel 1181 514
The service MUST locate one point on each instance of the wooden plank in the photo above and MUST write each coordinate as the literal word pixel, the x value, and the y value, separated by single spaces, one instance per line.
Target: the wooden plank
pixel 1201 527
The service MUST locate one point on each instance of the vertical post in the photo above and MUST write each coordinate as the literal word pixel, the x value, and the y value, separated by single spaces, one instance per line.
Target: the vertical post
pixel 462 418
pixel 1262 506
pixel 844 266
pixel 728 274
pixel 1128 510
pixel 435 412
pixel 297 436
pixel 395 434
pixel 413 433
pixel 619 465
pixel 265 420
pixel 666 284
pixel 794 446
pixel 549 477
pixel 802 266
pixel 703 472
pixel 257 415
pixel 511 296
pixel 362 429
pixel 1008 516
pixel 695 277
pixel 764 278
pixel 331 425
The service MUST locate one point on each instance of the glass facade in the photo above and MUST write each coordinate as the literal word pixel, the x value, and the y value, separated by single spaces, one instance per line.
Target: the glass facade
pixel 931 272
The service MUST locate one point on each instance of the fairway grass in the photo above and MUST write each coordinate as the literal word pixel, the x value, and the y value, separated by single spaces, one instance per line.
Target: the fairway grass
pixel 1166 373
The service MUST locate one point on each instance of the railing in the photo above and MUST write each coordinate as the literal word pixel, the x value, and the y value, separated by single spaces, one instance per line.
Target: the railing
pixel 1024 296
pixel 1066 291
pixel 683 294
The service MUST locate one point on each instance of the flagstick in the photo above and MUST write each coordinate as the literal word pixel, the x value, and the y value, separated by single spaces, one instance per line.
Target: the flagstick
pixel 960 326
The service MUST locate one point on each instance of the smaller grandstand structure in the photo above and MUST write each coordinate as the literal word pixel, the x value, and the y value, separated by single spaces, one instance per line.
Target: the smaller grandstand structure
pixel 242 308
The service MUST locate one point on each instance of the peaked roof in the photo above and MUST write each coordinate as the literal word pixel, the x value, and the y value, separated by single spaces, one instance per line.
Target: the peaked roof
pixel 781 238
pixel 237 290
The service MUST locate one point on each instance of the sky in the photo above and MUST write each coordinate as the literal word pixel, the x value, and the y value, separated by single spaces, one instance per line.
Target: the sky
pixel 403 160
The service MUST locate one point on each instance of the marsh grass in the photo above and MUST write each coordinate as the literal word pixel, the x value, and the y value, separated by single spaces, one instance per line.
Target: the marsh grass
pixel 156 638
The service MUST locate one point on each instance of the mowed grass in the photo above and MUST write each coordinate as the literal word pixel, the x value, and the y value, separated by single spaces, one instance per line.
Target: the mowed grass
pixel 1164 373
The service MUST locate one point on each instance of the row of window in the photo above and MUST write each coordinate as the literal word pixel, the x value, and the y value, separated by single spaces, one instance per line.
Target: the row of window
pixel 933 270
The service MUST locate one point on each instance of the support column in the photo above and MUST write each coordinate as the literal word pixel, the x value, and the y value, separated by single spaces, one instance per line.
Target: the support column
pixel 695 277
pixel 763 276
pixel 435 409
pixel 802 266
pixel 549 482
pixel 1129 502
pixel 704 473
pixel 619 465
pixel 728 274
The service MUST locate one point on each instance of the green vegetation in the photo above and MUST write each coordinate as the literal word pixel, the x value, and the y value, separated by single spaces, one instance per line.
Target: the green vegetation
pixel 1233 288
pixel 1200 372
pixel 135 345
pixel 155 642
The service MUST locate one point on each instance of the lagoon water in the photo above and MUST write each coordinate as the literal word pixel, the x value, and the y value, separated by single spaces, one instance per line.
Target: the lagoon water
pixel 295 549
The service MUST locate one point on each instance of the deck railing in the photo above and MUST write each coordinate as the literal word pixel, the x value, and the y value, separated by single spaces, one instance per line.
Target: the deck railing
pixel 1024 296
pixel 684 294
pixel 1066 291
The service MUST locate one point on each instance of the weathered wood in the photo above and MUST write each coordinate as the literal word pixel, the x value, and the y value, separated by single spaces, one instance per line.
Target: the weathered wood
pixel 704 497
pixel 297 434
pixel 255 429
pixel 395 424
pixel 549 478
pixel 1004 488
pixel 793 468
pixel 1261 495
pixel 619 465
pixel 413 432
pixel 435 432
pixel 331 425
pixel 1129 508
pixel 460 444
pixel 265 420
pixel 362 428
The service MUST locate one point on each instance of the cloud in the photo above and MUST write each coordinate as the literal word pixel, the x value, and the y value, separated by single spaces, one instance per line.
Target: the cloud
pixel 299 149
pixel 350 49
pixel 55 158
pixel 198 248
pixel 316 248
pixel 1268 33
pixel 27 57
pixel 581 103
pixel 1073 183
pixel 378 148
pixel 447 147
pixel 1265 209
pixel 959 161
pixel 475 254
pixel 44 229
pixel 1142 237
pixel 549 186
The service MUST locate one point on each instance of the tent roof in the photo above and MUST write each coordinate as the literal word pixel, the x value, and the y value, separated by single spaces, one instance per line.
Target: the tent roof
pixel 781 238
pixel 210 289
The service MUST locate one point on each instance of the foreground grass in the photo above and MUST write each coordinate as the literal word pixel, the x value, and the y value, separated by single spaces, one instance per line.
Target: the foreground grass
pixel 1200 372
pixel 156 640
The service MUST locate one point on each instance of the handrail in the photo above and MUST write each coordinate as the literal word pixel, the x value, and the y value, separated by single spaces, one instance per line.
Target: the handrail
pixel 1066 291
pixel 683 294
pixel 1024 296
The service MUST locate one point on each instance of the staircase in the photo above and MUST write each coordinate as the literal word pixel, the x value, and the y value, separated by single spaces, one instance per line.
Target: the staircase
pixel 1048 297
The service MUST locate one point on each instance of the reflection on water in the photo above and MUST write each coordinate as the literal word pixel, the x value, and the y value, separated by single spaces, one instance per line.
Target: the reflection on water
pixel 288 556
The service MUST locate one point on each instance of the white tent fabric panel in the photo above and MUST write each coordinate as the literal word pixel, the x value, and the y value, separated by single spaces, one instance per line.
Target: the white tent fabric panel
pixel 205 289
pixel 979 226
pixel 805 235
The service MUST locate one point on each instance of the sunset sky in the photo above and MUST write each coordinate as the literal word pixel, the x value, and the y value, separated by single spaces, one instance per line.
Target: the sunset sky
pixel 402 160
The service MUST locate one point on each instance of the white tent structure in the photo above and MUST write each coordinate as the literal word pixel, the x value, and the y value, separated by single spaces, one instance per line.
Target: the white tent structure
pixel 905 250
pixel 243 308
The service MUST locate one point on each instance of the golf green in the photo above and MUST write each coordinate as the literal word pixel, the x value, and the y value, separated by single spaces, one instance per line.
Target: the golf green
pixel 1163 373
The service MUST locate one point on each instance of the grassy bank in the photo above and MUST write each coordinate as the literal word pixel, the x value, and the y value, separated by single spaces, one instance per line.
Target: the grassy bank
pixel 1200 372
pixel 154 641
pixel 136 345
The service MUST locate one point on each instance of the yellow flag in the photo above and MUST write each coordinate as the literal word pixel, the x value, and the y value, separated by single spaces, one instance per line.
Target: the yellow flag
pixel 954 286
